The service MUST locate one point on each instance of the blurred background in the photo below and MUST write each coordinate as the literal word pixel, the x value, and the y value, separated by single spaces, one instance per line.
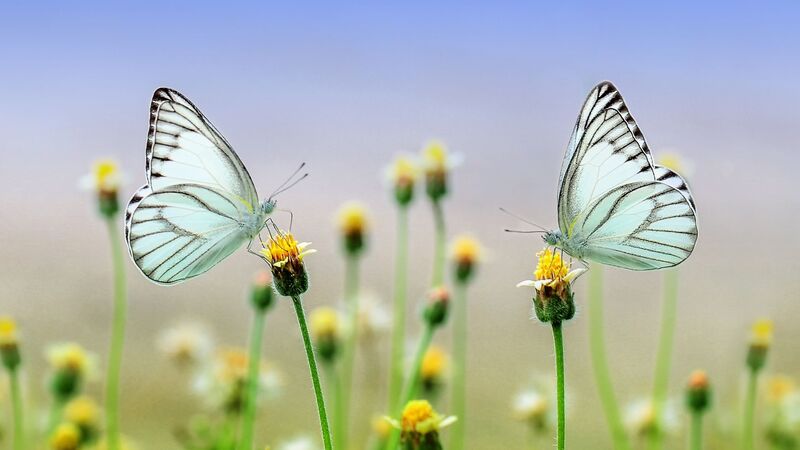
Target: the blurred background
pixel 346 87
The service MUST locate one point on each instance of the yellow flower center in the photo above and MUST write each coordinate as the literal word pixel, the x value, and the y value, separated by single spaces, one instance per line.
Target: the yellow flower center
pixel 672 161
pixel 69 357
pixel 352 218
pixel 82 411
pixel 324 322
pixel 403 171
pixel 106 175
pixel 233 364
pixel 8 331
pixel 66 437
pixel 761 333
pixel 435 155
pixel 550 266
pixel 419 416
pixel 779 387
pixel 433 363
pixel 466 250
pixel 284 248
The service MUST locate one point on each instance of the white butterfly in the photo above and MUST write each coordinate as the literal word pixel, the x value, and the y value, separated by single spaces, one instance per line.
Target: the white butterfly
pixel 615 206
pixel 199 204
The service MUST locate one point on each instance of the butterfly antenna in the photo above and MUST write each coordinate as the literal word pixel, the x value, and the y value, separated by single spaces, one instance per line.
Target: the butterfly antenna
pixel 518 217
pixel 508 230
pixel 290 185
pixel 283 186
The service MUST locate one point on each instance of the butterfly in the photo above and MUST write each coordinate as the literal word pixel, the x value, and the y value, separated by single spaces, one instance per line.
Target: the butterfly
pixel 615 206
pixel 199 204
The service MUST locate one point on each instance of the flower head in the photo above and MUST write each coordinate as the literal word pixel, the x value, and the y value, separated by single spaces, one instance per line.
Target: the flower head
pixel 352 220
pixel 224 383
pixel 779 387
pixel 9 343
pixel 373 317
pixel 437 162
pixel 760 341
pixel 420 425
pixel 186 344
pixel 553 298
pixel 261 292
pixel 299 443
pixel 71 365
pixel 783 415
pixel 285 257
pixel 434 366
pixel 84 413
pixel 382 428
pixel 403 174
pixel 641 418
pixel 698 392
pixel 466 254
pixel 324 325
pixel 435 313
pixel 104 180
pixel 67 436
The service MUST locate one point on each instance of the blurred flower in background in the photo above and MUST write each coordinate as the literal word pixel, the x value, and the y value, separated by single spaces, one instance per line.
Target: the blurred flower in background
pixel 403 175
pixel 433 371
pixel 71 366
pixel 222 383
pixel 676 162
pixel 187 344
pixel 783 414
pixel 640 418
pixel 299 443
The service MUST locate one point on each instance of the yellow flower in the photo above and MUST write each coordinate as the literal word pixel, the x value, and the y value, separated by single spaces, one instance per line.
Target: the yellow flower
pixel 761 333
pixel 532 407
pixel 83 411
pixel 352 218
pixel 222 384
pixel 551 270
pixel 434 364
pixel 8 332
pixel 466 250
pixel 420 417
pixel 381 427
pixel 71 357
pixel 284 250
pixel 641 418
pixel 436 157
pixel 698 380
pixel 66 437
pixel 324 322
pixel 403 172
pixel 780 387
pixel 105 177
pixel 676 163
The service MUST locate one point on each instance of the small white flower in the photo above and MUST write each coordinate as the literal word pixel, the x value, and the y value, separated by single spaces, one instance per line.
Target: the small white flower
pixel 299 443
pixel 186 343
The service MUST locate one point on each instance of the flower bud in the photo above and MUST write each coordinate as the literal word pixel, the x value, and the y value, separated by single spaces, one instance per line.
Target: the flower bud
pixel 435 312
pixel 437 167
pixel 760 341
pixel 353 226
pixel 66 437
pixel 285 258
pixel 105 180
pixel 9 344
pixel 420 425
pixel 432 370
pixel 324 325
pixel 553 299
pixel 262 293
pixel 71 365
pixel 698 392
pixel 403 175
pixel 466 254
pixel 84 413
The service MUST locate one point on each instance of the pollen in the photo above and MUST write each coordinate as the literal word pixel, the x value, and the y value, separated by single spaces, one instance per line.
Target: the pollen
pixel 284 248
pixel 550 266
pixel 418 415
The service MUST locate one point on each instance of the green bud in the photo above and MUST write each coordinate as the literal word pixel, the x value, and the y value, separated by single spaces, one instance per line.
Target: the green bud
pixel 108 204
pixel 435 313
pixel 65 384
pixel 757 357
pixel 262 293
pixel 698 392
pixel 554 304
pixel 436 185
pixel 290 283
pixel 10 356
pixel 354 243
pixel 404 193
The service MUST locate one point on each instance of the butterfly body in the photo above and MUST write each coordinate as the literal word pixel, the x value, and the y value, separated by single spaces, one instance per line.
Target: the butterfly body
pixel 199 204
pixel 615 205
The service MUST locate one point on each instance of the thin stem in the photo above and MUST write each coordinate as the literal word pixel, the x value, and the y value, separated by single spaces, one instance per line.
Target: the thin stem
pixel 748 440
pixel 697 431
pixel 117 337
pixel 669 309
pixel 558 343
pixel 412 382
pixel 253 375
pixel 460 360
pixel 399 325
pixel 312 367
pixel 56 411
pixel 600 360
pixel 438 256
pixel 349 355
pixel 339 418
pixel 16 406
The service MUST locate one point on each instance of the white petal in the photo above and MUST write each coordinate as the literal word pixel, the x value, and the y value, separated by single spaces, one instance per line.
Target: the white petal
pixel 526 283
pixel 574 274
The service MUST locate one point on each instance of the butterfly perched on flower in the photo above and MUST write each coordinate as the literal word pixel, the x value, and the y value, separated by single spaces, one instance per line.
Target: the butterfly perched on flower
pixel 615 205
pixel 199 204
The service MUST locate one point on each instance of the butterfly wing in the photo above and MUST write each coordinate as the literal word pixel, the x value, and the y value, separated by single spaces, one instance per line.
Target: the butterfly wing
pixel 199 197
pixel 606 157
pixel 639 226
pixel 181 231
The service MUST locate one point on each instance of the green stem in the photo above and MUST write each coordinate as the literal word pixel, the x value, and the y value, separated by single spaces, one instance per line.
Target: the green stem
pixel 16 406
pixel 460 360
pixel 412 382
pixel 600 360
pixel 669 309
pixel 399 325
pixel 312 367
pixel 558 343
pixel 339 419
pixel 56 411
pixel 349 355
pixel 117 337
pixel 748 439
pixel 697 431
pixel 253 375
pixel 438 257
